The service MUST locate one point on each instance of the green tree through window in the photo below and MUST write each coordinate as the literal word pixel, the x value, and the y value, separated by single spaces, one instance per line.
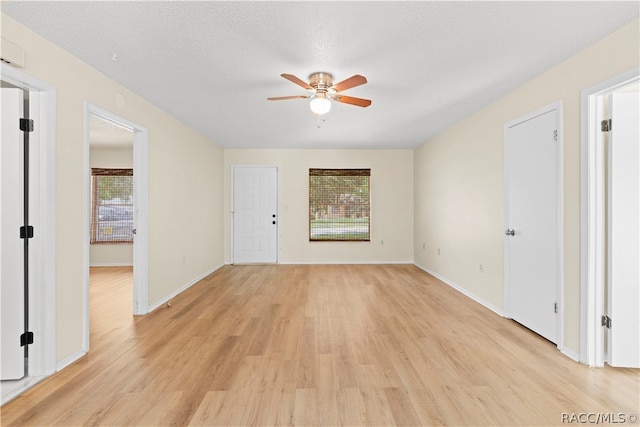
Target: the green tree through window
pixel 111 205
pixel 339 204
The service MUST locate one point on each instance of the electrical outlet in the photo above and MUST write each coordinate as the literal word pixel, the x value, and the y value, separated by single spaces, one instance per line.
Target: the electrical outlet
pixel 438 251
pixel 481 268
pixel 382 242
pixel 424 246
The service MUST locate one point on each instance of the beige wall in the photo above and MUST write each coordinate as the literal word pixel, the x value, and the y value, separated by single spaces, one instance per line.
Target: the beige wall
pixel 391 203
pixel 114 254
pixel 459 179
pixel 185 183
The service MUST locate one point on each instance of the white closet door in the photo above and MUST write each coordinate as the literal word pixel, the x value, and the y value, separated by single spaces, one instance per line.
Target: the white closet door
pixel 624 231
pixel 531 242
pixel 11 248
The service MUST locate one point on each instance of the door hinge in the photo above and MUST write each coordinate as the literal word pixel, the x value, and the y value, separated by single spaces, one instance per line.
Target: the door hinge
pixel 26 125
pixel 555 135
pixel 606 321
pixel 26 232
pixel 555 307
pixel 26 339
pixel 605 125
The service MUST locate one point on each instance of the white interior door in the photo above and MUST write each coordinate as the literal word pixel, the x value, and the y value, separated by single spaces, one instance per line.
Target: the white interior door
pixel 11 248
pixel 624 231
pixel 255 209
pixel 531 241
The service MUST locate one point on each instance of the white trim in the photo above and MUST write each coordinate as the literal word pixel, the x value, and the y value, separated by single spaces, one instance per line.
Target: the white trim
pixel 558 108
pixel 141 204
pixel 352 262
pixel 86 227
pixel 184 288
pixel 592 244
pixel 73 357
pixel 560 227
pixel 570 354
pixel 13 389
pixel 462 290
pixel 47 208
pixel 43 293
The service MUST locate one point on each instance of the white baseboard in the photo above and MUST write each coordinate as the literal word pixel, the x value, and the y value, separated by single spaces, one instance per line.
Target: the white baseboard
pixel 13 389
pixel 182 289
pixel 463 291
pixel 567 352
pixel 409 262
pixel 570 354
pixel 69 360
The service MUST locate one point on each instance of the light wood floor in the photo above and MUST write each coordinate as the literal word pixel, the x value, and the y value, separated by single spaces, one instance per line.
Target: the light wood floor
pixel 316 345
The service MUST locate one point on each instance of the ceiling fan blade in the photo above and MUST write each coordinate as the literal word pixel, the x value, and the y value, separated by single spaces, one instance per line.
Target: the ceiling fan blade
pixel 282 98
pixel 353 81
pixel 360 102
pixel 297 81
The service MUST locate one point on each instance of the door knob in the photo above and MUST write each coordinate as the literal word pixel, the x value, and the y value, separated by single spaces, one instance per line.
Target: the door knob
pixel 509 232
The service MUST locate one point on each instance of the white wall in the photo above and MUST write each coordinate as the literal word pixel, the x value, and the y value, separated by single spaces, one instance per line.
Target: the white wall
pixel 111 254
pixel 185 183
pixel 459 179
pixel 391 204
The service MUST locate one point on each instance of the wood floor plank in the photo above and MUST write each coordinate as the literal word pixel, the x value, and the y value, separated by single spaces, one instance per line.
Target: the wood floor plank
pixel 402 409
pixel 309 345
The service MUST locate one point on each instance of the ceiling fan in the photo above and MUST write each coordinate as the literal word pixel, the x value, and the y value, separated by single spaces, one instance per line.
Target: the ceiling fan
pixel 323 90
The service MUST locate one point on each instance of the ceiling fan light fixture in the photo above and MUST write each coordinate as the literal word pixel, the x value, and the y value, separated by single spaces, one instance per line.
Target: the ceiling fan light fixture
pixel 320 105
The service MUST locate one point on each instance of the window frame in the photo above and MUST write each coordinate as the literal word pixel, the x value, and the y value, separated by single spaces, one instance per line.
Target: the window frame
pixel 94 225
pixel 352 207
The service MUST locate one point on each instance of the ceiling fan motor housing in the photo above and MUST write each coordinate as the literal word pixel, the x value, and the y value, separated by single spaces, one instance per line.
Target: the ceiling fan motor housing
pixel 321 82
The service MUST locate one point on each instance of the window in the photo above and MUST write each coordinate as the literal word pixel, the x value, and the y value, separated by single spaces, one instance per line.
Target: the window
pixel 339 205
pixel 111 206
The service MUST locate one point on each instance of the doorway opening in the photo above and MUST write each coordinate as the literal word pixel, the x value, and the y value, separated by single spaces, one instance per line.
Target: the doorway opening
pixel 594 218
pixel 111 140
pixel 112 225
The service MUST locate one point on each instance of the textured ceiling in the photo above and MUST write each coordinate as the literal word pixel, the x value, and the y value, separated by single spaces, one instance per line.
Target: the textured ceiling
pixel 429 64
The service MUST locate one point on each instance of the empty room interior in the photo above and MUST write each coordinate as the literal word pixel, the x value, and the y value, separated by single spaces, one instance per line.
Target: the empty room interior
pixel 320 213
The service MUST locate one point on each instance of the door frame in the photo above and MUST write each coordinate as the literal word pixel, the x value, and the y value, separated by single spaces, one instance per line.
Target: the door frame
pixel 592 219
pixel 558 108
pixel 141 208
pixel 42 289
pixel 233 169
